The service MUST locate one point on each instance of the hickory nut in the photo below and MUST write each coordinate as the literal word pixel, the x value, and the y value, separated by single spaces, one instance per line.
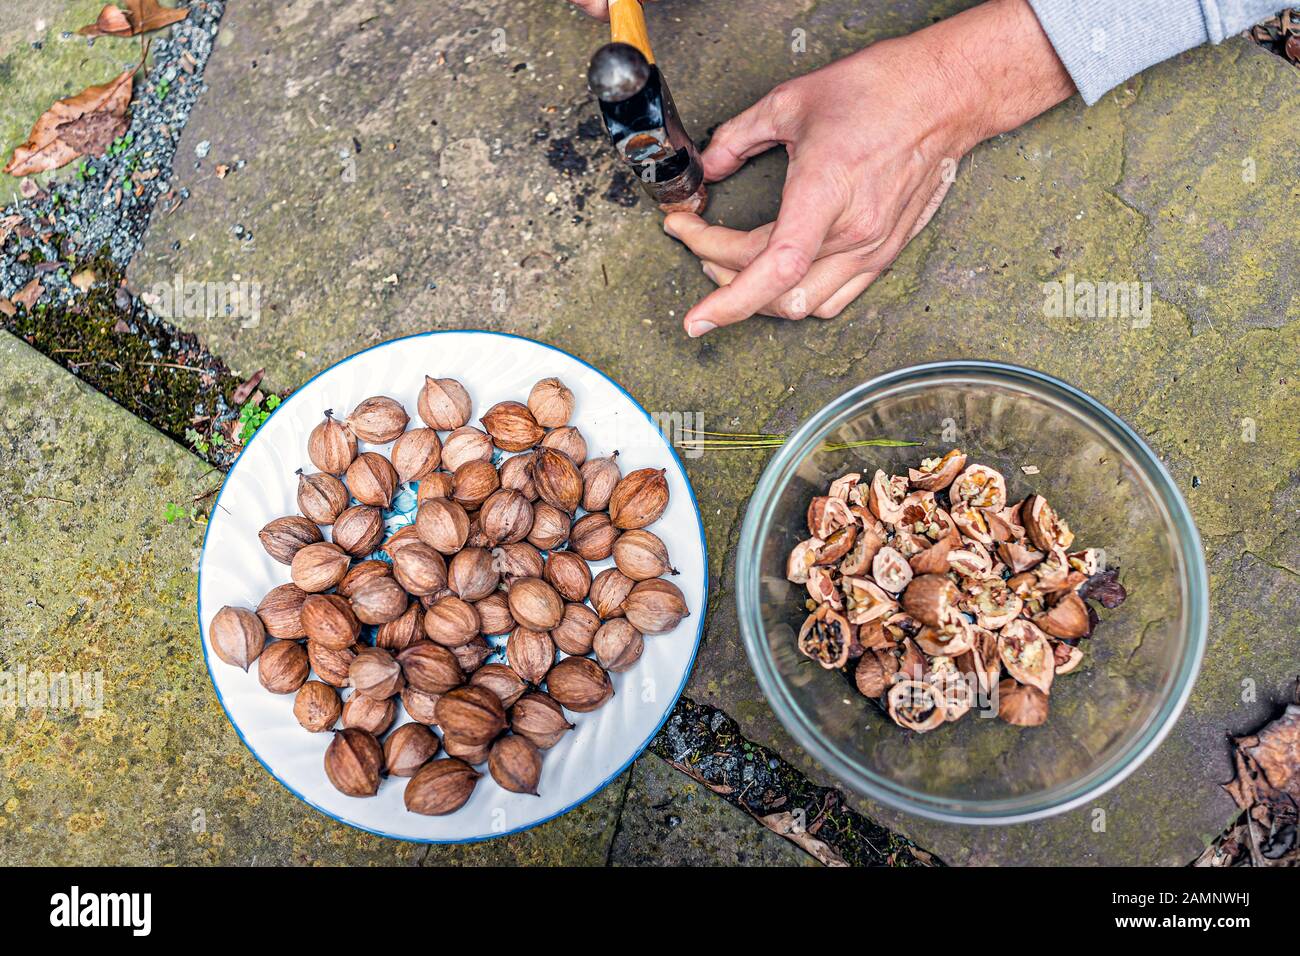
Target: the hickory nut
pixel 379 600
pixel 378 420
pixel 535 604
pixel 579 684
pixel 416 454
pixel 655 606
pixel 443 404
pixel 474 715
pixel 530 654
pixel 641 555
pixel 281 612
pixel 321 497
pixel 318 567
pixel 599 478
pixel 317 706
pixel 569 441
pixel 639 499
pixel 375 673
pixel 501 680
pixel 618 645
pixel 283 667
pixel 359 529
pixel 430 668
pixel 408 748
pixel 237 635
pixel 551 403
pixel 451 621
pixel 466 444
pixel 538 717
pixel 592 536
pixel 368 714
pixel 515 763
pixel 576 630
pixel 372 480
pixel 557 479
pixel 353 762
pixel 441 787
pixel 569 574
pixel 284 537
pixel 512 426
pixel 331 445
pixel 329 621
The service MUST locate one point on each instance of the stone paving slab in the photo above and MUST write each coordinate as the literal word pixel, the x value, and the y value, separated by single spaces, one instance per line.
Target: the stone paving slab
pixel 670 820
pixel 466 220
pixel 150 772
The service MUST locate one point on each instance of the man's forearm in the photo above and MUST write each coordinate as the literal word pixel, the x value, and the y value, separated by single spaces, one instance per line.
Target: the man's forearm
pixel 1104 42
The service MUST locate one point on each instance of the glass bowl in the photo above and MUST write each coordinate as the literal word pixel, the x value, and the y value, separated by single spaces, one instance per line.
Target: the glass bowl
pixel 1138 668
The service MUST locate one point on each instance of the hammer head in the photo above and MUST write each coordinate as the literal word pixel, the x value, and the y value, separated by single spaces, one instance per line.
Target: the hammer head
pixel 645 129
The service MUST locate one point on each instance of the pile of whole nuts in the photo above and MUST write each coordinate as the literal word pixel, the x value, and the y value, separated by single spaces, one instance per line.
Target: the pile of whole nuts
pixel 493 551
pixel 928 586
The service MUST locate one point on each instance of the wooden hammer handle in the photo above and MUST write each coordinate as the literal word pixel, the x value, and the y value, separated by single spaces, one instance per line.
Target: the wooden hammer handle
pixel 627 25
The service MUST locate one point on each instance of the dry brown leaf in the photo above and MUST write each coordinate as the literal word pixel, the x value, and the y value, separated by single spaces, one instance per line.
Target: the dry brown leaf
pixel 7 307
pixel 7 225
pixel 140 16
pixel 111 22
pixel 241 394
pixel 1267 787
pixel 81 125
pixel 787 826
pixel 28 294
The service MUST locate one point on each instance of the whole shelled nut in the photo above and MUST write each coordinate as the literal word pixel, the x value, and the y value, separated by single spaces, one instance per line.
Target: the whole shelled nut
pixel 281 612
pixel 515 764
pixel 353 762
pixel 317 706
pixel 376 673
pixel 331 446
pixel 399 539
pixel 369 714
pixel 472 574
pixel 599 478
pixel 443 404
pixel 372 480
pixel 399 634
pixel 436 485
pixel 618 645
pixel 378 420
pixel 473 715
pixel 641 555
pixel 512 426
pixel 535 604
pixel 569 440
pixel 441 787
pixel 416 454
pixel 237 635
pixel 576 630
pixel 321 497
pixel 284 537
pixel 557 479
pixel 329 621
pixel 359 529
pixel 467 444
pixel 331 666
pixel 519 560
pixel 472 482
pixel 442 524
pixel 516 473
pixel 419 704
pixel 639 499
pixel 462 750
pixel 530 654
pixel 579 684
pixel 501 680
pixel 451 622
pixel 360 572
pixel 506 517
pixel 282 667
pixel 471 655
pixel 430 668
pixel 379 600
pixel 609 589
pixel 550 527
pixel 408 748
pixel 494 614
pixel 592 536
pixel 318 567
pixel 537 716
pixel 551 403
pixel 419 569
pixel 569 574
pixel 655 606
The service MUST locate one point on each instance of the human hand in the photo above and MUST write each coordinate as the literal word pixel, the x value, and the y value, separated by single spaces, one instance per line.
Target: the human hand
pixel 873 142
pixel 596 8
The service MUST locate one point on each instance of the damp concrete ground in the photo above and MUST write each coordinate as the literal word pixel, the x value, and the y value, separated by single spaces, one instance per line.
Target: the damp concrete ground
pixel 407 168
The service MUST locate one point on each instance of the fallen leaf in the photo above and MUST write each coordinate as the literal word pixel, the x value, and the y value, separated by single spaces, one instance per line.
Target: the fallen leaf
pixel 147 15
pixel 28 294
pixel 241 394
pixel 1293 48
pixel 80 125
pixel 7 307
pixel 1267 787
pixel 140 16
pixel 787 826
pixel 84 279
pixel 7 225
pixel 111 22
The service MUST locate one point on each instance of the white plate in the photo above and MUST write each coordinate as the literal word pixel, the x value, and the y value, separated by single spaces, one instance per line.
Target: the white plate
pixel 234 569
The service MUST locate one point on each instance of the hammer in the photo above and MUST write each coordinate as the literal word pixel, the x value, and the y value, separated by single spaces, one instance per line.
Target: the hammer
pixel 640 117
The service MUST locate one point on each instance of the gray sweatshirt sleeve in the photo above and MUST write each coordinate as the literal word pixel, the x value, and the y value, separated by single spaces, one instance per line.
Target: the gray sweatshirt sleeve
pixel 1104 42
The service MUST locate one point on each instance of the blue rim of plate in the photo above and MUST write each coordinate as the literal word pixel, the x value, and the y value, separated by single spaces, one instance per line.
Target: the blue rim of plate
pixel 640 749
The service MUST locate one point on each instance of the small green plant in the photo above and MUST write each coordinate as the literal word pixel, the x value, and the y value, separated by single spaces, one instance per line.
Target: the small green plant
pixel 252 415
pixel 197 441
pixel 172 512
pixel 163 88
